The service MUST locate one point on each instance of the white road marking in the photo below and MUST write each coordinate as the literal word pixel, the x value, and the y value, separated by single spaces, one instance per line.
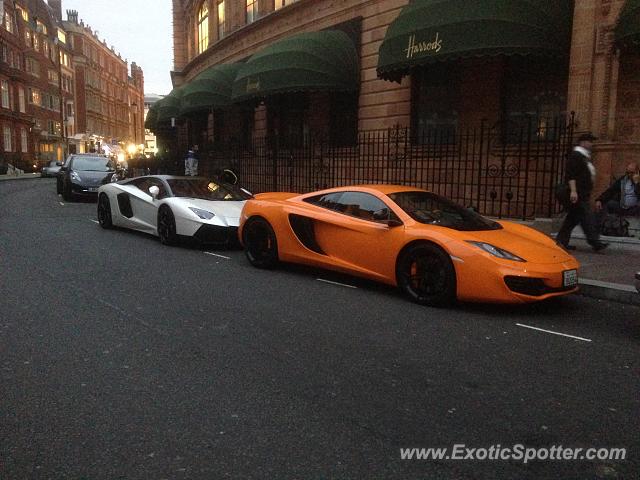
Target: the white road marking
pixel 61 203
pixel 554 333
pixel 335 283
pixel 217 255
pixel 95 221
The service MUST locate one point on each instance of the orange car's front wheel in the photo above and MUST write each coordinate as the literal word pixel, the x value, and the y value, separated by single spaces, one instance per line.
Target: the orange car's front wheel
pixel 426 275
pixel 260 243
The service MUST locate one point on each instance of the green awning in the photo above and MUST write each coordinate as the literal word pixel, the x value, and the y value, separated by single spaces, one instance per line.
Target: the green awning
pixel 152 117
pixel 210 89
pixel 169 106
pixel 429 31
pixel 628 28
pixel 314 61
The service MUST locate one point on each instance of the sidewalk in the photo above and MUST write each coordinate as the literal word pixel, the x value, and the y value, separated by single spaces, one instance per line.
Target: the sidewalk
pixel 19 177
pixel 609 274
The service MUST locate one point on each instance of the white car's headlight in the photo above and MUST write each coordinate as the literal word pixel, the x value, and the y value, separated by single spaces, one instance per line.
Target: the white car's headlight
pixel 497 252
pixel 75 176
pixel 203 214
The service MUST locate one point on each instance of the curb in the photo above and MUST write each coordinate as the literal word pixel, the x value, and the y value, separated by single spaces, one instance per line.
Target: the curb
pixel 27 176
pixel 615 292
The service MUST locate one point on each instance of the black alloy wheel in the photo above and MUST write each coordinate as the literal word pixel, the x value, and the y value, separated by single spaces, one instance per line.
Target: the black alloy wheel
pixel 167 226
pixel 260 243
pixel 426 275
pixel 104 211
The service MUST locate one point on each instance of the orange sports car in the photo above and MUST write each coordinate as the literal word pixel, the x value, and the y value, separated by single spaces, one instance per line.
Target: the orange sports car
pixel 433 249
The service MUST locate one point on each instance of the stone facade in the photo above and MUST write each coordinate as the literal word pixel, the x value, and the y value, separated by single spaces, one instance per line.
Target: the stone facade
pixel 599 83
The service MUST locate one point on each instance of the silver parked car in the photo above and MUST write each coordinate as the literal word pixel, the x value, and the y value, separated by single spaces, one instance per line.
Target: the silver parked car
pixel 51 170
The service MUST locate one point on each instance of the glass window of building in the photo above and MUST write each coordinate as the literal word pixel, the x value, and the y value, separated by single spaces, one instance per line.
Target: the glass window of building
pixel 23 13
pixel 6 134
pixel 252 11
pixel 62 36
pixel 203 27
pixel 434 103
pixel 42 27
pixel 8 22
pixel 22 105
pixel 220 18
pixel 283 3
pixel 4 86
pixel 23 140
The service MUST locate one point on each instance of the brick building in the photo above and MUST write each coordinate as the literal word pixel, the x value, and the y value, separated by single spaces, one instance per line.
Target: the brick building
pixel 108 100
pixel 62 88
pixel 487 97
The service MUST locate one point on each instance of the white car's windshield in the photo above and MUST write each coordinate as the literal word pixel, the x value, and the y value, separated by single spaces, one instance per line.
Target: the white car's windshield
pixel 205 190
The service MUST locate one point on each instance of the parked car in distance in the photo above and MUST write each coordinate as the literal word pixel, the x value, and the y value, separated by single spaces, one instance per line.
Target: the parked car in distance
pixel 434 250
pixel 82 174
pixel 638 282
pixel 174 208
pixel 51 170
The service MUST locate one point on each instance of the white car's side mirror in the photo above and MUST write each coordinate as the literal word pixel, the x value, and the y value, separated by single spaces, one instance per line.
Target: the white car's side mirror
pixel 154 191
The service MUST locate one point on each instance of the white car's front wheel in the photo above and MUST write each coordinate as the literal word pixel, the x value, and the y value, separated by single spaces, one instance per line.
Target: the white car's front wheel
pixel 167 226
pixel 104 211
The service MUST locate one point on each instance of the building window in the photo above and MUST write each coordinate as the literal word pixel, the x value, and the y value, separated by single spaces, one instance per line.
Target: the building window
pixel 343 130
pixel 220 19
pixel 27 38
pixel 6 133
pixel 36 42
pixel 34 97
pixel 23 140
pixel 22 106
pixel 53 77
pixel 23 13
pixel 252 11
pixel 203 27
pixel 33 67
pixel 8 22
pixel 434 103
pixel 62 36
pixel 283 3
pixel 5 94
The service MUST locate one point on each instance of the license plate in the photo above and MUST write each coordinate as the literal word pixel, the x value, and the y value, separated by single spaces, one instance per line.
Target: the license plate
pixel 93 189
pixel 570 278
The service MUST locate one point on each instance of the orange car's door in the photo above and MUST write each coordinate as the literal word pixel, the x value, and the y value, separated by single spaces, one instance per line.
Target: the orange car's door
pixel 355 234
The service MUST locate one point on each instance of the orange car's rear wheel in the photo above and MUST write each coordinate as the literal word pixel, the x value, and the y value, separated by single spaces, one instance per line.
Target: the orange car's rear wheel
pixel 260 243
pixel 426 275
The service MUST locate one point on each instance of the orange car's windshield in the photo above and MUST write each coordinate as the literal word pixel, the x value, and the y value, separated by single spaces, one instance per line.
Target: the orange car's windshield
pixel 432 209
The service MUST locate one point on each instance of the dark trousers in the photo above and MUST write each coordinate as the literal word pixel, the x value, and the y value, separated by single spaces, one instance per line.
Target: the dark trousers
pixel 579 214
pixel 613 206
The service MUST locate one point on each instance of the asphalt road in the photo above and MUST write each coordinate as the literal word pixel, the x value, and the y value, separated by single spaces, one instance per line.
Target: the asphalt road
pixel 123 358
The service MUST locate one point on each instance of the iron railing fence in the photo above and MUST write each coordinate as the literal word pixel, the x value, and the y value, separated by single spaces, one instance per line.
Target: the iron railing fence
pixel 500 170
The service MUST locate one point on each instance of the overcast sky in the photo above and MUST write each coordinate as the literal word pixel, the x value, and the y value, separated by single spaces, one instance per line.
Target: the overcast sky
pixel 139 29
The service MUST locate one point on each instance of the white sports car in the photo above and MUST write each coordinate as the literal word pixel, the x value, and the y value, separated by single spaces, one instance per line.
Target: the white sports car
pixel 173 207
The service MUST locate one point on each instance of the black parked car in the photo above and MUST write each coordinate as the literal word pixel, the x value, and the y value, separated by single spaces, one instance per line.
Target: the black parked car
pixel 82 174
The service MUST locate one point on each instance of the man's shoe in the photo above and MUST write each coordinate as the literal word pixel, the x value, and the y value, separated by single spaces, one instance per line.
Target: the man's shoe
pixel 600 246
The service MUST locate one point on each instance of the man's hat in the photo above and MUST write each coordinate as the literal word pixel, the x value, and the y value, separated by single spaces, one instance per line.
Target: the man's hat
pixel 587 137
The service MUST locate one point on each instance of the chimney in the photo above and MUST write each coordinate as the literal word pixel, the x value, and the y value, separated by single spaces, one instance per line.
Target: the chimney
pixel 72 16
pixel 56 6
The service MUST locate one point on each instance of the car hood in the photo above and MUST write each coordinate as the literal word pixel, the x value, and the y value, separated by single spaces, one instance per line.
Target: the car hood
pixel 94 179
pixel 525 244
pixel 228 209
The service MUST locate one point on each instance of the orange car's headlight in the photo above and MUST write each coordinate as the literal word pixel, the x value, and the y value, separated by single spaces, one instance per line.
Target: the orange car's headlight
pixel 496 252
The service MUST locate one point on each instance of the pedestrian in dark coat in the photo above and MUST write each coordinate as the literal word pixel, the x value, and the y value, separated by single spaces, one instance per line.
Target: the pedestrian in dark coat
pixel 580 176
